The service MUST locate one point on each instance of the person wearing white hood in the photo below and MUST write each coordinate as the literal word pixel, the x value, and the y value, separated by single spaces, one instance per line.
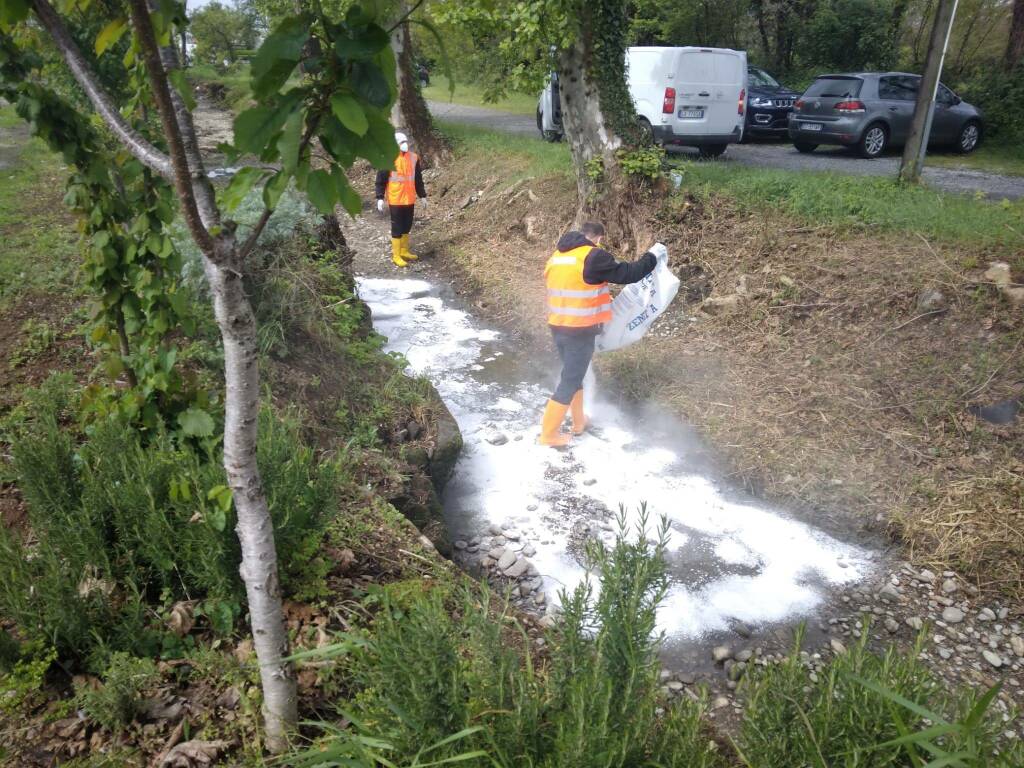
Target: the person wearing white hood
pixel 401 187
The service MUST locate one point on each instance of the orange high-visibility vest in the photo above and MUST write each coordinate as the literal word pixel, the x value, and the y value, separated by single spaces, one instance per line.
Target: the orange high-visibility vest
pixel 402 181
pixel 573 303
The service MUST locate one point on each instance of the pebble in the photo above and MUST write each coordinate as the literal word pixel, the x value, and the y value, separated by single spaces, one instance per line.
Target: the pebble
pixel 720 702
pixel 687 678
pixel 926 576
pixel 675 685
pixel 540 598
pixel 529 550
pixel 531 507
pixel 741 629
pixel 498 438
pixel 837 646
pixel 511 535
pixel 892 625
pixel 889 593
pixel 494 529
pixel 914 623
pixel 590 481
pixel 517 569
pixel 1017 645
pixel 992 658
pixel 949 586
pixel 952 615
pixel 744 655
pixel 546 622
pixel 496 553
pixel 986 614
pixel 945 653
pixel 460 544
pixel 507 559
pixel 721 653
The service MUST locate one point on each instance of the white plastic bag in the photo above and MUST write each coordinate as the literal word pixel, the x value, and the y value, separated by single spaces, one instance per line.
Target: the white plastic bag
pixel 637 306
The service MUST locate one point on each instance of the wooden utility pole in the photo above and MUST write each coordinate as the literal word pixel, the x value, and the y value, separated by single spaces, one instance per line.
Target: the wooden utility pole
pixel 921 125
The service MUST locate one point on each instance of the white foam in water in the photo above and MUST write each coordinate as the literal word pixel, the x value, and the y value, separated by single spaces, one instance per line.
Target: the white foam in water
pixel 730 558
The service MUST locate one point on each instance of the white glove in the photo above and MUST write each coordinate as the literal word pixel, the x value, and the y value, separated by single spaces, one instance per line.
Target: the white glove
pixel 423 203
pixel 660 252
pixel 380 206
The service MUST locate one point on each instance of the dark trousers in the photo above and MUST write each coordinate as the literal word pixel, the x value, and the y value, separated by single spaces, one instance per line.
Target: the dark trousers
pixel 576 348
pixel 401 219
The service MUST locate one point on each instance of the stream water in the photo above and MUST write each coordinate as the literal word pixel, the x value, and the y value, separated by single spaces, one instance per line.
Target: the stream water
pixel 734 560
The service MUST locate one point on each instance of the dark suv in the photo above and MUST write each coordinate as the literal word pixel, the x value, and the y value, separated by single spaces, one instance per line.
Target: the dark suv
pixel 768 105
pixel 870 110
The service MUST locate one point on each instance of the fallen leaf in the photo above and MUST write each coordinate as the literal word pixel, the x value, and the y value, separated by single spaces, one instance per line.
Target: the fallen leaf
pixel 193 754
pixel 182 618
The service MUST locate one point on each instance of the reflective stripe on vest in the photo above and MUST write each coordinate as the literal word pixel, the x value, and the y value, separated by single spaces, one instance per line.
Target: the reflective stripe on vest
pixel 572 302
pixel 402 180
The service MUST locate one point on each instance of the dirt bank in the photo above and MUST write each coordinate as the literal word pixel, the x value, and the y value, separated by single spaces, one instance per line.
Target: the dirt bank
pixel 834 372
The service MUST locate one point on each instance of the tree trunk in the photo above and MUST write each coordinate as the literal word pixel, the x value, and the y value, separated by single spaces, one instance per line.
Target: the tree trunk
pixel 1015 43
pixel 409 113
pixel 222 263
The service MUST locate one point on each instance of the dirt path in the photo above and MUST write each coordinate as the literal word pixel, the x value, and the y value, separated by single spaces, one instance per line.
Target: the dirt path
pixel 773 155
pixel 743 572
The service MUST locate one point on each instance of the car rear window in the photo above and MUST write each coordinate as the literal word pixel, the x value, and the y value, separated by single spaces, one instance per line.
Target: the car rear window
pixel 837 87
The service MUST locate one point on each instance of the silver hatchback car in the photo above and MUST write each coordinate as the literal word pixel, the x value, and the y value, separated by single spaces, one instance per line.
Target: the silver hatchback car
pixel 870 111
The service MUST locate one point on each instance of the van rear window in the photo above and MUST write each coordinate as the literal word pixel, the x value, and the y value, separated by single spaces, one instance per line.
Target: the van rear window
pixel 710 67
pixel 836 87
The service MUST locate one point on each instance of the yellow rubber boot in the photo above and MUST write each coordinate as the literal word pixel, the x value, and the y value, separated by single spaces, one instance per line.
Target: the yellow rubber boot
pixel 551 426
pixel 579 421
pixel 396 252
pixel 406 254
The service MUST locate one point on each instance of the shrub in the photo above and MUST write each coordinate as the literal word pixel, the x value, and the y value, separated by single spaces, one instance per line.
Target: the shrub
pixel 21 687
pixel 846 715
pixel 461 679
pixel 115 703
pixel 118 526
pixel 998 93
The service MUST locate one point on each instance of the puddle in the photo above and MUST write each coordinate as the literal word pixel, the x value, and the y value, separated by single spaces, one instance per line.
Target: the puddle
pixel 732 558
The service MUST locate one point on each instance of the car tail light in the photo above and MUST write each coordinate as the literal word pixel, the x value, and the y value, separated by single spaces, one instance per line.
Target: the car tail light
pixel 798 104
pixel 850 106
pixel 742 103
pixel 669 105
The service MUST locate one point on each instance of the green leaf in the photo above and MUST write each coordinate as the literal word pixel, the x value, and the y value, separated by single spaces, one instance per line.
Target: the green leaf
pixel 196 422
pixel 109 35
pixel 363 45
pixel 181 85
pixel 240 186
pixel 280 53
pixel 288 143
pixel 379 145
pixel 370 84
pixel 12 11
pixel 348 197
pixel 217 518
pixel 322 191
pixel 256 127
pixel 274 188
pixel 348 111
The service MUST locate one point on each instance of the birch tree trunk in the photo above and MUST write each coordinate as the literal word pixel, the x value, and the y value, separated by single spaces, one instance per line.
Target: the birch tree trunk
pixel 409 113
pixel 223 261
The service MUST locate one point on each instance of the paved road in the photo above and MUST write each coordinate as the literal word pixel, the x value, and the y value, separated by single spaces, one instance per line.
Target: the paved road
pixel 775 154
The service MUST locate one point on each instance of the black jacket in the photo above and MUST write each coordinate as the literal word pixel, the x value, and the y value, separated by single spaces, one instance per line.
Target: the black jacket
pixel 382 182
pixel 601 267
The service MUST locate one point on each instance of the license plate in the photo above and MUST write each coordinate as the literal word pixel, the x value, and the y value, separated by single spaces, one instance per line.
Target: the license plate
pixel 810 126
pixel 691 113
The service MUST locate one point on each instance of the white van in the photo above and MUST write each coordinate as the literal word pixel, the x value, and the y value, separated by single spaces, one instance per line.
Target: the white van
pixel 690 96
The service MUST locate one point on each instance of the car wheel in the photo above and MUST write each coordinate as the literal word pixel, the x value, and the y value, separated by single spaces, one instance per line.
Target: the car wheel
pixel 803 146
pixel 552 136
pixel 646 131
pixel 969 138
pixel 708 151
pixel 873 142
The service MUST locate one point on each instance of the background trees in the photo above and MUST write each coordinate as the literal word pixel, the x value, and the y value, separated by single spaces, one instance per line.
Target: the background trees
pixel 221 33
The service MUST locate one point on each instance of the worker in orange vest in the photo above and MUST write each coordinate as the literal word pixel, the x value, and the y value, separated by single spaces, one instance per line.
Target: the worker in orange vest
pixel 579 302
pixel 401 186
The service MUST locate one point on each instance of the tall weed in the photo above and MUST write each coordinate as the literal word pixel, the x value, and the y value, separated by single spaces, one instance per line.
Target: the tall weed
pixel 847 716
pixel 118 528
pixel 434 668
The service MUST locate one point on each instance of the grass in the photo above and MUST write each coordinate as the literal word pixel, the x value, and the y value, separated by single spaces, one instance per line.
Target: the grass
pixel 37 242
pixel 237 95
pixel 515 156
pixel 995 158
pixel 472 95
pixel 855 202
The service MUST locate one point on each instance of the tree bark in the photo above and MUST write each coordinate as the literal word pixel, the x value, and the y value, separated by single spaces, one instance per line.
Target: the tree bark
pixel 1015 43
pixel 237 324
pixel 409 113
pixel 141 149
